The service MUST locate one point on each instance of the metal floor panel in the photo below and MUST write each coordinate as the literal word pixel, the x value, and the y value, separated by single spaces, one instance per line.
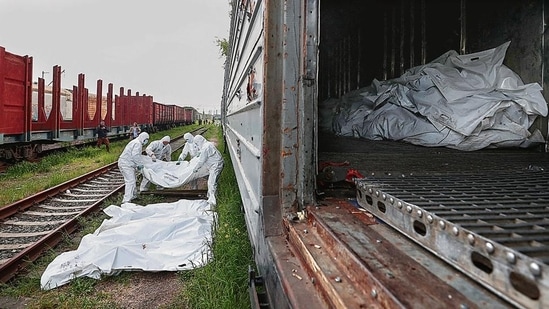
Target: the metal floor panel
pixel 512 209
pixel 493 229
pixel 484 212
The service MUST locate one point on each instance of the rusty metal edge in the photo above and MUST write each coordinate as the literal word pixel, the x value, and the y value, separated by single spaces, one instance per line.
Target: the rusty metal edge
pixel 319 267
pixel 288 290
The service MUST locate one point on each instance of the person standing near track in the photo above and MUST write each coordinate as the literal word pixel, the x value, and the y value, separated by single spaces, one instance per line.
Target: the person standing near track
pixel 102 138
pixel 159 149
pixel 129 161
pixel 135 130
pixel 211 158
pixel 189 149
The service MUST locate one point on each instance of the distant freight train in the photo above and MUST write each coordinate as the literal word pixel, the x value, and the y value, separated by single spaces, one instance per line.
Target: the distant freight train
pixel 34 117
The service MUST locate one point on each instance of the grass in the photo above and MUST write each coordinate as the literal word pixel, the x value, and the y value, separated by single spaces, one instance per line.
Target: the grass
pixel 26 178
pixel 222 283
pixel 80 293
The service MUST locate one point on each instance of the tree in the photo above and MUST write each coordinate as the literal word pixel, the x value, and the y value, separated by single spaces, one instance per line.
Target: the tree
pixel 223 45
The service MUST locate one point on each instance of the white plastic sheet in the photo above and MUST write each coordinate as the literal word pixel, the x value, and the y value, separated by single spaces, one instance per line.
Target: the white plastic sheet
pixel 157 237
pixel 466 102
pixel 172 174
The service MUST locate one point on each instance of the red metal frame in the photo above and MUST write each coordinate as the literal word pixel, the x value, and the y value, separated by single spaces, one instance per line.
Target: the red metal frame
pixel 16 105
pixel 15 94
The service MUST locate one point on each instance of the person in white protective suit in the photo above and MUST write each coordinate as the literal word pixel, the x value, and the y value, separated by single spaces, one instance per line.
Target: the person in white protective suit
pixel 129 161
pixel 189 149
pixel 159 149
pixel 210 158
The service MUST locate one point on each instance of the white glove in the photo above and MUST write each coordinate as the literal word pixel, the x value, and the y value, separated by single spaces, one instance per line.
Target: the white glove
pixel 153 158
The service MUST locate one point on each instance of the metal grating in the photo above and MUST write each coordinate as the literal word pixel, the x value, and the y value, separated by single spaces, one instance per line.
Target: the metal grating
pixel 493 227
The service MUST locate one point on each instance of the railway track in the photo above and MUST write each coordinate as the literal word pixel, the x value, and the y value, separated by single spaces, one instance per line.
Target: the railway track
pixel 31 226
pixel 35 224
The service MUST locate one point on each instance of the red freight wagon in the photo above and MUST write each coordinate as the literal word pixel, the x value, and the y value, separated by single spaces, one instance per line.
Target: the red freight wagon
pixel 170 115
pixel 136 109
pixel 159 112
pixel 15 97
pixel 35 117
pixel 185 115
pixel 145 109
pixel 179 117
pixel 189 115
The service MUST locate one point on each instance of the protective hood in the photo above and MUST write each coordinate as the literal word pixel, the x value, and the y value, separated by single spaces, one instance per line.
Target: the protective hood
pixel 199 140
pixel 165 139
pixel 188 137
pixel 143 138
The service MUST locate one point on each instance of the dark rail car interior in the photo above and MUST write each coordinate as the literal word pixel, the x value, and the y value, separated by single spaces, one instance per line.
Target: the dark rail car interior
pixel 363 40
pixel 491 206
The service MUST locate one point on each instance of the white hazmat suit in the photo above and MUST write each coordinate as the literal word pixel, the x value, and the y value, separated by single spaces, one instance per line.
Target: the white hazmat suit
pixel 210 158
pixel 130 160
pixel 159 149
pixel 189 149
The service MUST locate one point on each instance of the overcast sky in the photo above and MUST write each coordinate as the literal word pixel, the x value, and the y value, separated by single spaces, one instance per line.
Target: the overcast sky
pixel 163 48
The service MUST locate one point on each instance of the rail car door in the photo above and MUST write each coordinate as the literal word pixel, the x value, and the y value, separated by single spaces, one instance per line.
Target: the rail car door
pixel 269 119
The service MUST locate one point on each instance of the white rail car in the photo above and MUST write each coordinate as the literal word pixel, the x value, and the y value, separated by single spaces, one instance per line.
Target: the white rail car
pixel 386 244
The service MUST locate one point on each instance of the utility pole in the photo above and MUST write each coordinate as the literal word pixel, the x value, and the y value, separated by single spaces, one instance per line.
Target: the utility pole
pixel 43 73
pixel 62 72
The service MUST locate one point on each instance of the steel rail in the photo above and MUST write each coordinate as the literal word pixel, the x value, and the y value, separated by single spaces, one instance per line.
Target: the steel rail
pixel 22 259
pixel 11 209
pixel 31 253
